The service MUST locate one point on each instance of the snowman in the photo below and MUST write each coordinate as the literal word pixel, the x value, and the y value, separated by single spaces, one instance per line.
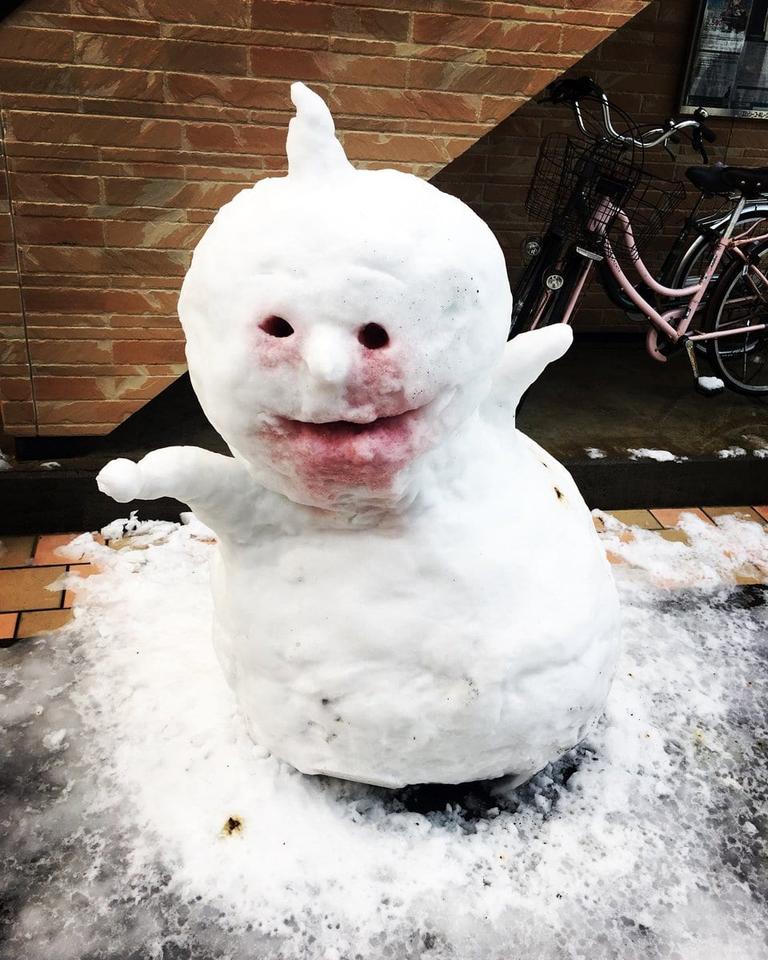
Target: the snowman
pixel 406 588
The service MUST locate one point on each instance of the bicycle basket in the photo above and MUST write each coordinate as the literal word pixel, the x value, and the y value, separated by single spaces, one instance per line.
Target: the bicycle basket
pixel 579 186
pixel 651 204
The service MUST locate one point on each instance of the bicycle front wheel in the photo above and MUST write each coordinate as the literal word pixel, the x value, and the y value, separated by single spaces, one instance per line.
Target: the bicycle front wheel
pixel 549 304
pixel 740 302
pixel 529 289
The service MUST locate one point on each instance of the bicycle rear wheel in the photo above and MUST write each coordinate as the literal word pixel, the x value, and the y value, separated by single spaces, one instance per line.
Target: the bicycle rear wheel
pixel 740 299
pixel 688 269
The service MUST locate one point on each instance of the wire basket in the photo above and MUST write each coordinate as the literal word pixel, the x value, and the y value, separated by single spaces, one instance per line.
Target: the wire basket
pixel 653 201
pixel 579 187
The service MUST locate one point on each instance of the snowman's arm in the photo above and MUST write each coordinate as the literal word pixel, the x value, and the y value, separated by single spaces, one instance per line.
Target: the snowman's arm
pixel 525 358
pixel 213 485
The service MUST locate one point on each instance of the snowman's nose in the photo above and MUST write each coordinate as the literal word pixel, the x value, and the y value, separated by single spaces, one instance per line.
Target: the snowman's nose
pixel 328 353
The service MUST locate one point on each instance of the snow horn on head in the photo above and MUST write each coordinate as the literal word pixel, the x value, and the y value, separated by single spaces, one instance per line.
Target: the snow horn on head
pixel 312 147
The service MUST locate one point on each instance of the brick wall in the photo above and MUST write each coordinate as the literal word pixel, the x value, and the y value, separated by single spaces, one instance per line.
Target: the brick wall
pixel 126 125
pixel 642 66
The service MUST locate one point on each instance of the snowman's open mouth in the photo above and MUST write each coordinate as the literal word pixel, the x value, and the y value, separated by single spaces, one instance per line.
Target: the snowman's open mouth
pixel 347 453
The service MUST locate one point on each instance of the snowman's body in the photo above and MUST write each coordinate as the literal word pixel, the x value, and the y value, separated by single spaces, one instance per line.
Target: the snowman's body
pixel 471 635
pixel 407 588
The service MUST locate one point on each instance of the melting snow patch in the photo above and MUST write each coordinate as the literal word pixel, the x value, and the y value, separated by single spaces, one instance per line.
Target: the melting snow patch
pixel 762 452
pixel 143 822
pixel 595 453
pixel 54 740
pixel 731 452
pixel 644 453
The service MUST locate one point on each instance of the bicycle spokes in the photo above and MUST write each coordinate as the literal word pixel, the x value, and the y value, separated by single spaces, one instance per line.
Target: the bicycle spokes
pixel 744 355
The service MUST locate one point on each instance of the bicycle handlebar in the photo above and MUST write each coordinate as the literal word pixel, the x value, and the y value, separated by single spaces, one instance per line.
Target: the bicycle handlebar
pixel 571 91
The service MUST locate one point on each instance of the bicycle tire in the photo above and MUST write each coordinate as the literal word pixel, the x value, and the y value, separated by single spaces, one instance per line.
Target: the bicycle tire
pixel 682 272
pixel 555 301
pixel 529 287
pixel 522 293
pixel 570 269
pixel 724 354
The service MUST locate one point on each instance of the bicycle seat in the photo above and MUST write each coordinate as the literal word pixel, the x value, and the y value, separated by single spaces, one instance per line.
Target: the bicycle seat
pixel 751 182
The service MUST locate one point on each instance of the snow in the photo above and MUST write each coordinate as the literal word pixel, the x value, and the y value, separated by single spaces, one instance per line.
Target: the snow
pixel 730 452
pixel 384 605
pixel 762 452
pixel 717 551
pixel 662 456
pixel 142 821
pixel 594 453
pixel 711 383
pixel 5 463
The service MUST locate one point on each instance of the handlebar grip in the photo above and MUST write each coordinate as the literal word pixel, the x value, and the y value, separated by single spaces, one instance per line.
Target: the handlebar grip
pixel 568 90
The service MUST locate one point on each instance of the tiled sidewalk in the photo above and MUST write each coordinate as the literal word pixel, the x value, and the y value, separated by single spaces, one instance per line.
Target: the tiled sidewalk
pixel 29 565
pixel 663 522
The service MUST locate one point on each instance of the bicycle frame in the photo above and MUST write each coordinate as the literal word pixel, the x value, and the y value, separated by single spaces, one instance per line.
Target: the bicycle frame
pixel 674 322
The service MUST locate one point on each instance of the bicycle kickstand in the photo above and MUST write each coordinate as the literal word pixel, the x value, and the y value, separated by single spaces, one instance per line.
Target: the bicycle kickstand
pixel 706 386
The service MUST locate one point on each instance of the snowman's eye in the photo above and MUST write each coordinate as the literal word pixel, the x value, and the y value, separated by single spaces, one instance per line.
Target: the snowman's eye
pixel 373 337
pixel 276 327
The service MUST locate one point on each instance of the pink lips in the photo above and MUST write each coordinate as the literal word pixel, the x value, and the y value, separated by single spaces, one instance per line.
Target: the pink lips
pixel 336 432
pixel 342 454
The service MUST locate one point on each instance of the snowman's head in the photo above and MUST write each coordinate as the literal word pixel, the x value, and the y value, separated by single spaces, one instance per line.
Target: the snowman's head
pixel 341 322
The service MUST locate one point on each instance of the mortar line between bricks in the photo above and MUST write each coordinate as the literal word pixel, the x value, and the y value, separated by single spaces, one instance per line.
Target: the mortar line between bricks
pixel 244 42
pixel 35 610
pixel 12 219
pixel 425 11
pixel 542 64
pixel 365 85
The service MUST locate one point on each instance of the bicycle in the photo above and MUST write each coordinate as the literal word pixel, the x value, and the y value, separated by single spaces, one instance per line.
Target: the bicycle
pixel 597 186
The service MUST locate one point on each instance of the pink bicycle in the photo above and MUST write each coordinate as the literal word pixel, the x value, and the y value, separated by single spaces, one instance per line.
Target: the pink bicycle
pixel 596 194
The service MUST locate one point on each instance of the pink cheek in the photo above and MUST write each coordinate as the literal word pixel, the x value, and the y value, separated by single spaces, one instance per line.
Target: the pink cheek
pixel 273 352
pixel 373 382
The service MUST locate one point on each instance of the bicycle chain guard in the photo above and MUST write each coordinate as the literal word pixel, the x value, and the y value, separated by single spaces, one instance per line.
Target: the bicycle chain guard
pixel 652 345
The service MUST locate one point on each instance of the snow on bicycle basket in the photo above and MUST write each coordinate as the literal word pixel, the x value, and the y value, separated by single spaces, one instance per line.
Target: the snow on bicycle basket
pixel 579 186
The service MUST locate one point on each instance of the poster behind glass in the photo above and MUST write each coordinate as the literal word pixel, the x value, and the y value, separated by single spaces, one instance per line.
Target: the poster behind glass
pixel 728 67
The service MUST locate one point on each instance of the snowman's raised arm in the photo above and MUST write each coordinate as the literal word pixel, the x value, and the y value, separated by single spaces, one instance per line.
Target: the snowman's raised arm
pixel 525 358
pixel 216 487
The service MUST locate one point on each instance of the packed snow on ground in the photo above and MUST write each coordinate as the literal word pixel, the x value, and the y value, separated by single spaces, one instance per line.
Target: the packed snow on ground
pixel 140 821
pixel 645 453
pixel 595 453
pixel 730 452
